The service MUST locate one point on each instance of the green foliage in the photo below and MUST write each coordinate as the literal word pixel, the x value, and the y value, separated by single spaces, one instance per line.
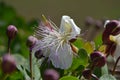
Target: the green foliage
pixel 16 76
pixel 23 66
pixel 83 57
pixel 69 78
pixel 104 69
pixel 79 42
pixel 8 16
pixel 98 40
pixel 107 77
pixel 89 47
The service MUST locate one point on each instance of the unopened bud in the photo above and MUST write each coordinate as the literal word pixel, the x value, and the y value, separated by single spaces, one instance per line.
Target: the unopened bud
pixel 112 24
pixel 39 54
pixel 8 64
pixel 51 74
pixel 98 59
pixel 86 74
pixel 11 31
pixel 31 41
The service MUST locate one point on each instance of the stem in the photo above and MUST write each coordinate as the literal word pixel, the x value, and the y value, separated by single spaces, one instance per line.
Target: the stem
pixel 9 41
pixel 30 59
pixel 116 72
pixel 92 75
pixel 92 67
pixel 110 50
pixel 113 72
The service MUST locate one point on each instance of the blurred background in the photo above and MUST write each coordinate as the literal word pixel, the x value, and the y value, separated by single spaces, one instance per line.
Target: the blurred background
pixel 77 9
pixel 25 14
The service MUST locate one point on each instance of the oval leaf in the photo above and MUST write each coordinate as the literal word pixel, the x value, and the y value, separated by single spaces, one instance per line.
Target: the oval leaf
pixel 79 42
pixel 83 57
pixel 89 47
pixel 107 77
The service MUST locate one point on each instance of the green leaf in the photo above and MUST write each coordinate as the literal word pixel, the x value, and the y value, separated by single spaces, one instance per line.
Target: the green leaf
pixel 83 57
pixel 79 70
pixel 107 77
pixel 79 43
pixel 36 70
pixel 104 69
pixel 20 60
pixel 76 64
pixel 68 78
pixel 89 47
pixel 98 40
pixel 102 48
pixel 23 65
pixel 97 71
pixel 24 72
pixel 16 76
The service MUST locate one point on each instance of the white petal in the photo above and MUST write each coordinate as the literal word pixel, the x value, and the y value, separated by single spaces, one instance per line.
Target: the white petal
pixel 65 26
pixel 69 26
pixel 62 58
pixel 75 29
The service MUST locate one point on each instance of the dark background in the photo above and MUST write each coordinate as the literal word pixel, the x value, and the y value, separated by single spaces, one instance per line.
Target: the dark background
pixel 77 9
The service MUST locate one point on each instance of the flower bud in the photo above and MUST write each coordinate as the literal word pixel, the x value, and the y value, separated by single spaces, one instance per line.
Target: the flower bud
pixel 98 59
pixel 11 31
pixel 39 54
pixel 51 74
pixel 31 41
pixel 8 64
pixel 111 28
pixel 86 74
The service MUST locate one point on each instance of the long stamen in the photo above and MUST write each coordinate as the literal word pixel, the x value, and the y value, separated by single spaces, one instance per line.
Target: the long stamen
pixel 59 45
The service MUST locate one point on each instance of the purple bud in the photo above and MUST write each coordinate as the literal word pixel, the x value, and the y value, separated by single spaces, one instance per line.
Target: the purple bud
pixel 31 41
pixel 86 74
pixel 39 54
pixel 111 28
pixel 112 24
pixel 51 74
pixel 94 55
pixel 98 59
pixel 8 64
pixel 11 31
